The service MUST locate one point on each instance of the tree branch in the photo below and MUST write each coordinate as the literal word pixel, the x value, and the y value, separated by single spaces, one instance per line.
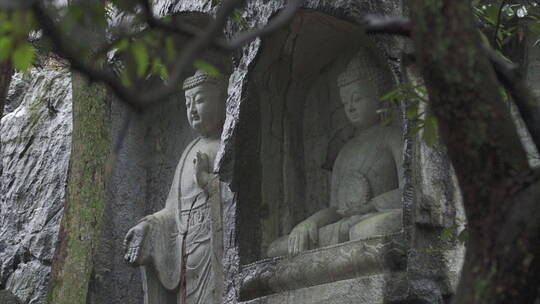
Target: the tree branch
pixel 190 52
pixel 387 25
pixel 507 72
pixel 206 37
pixel 78 64
pixel 16 3
pixel 280 20
pixel 180 28
pixel 511 78
pixel 202 40
pixel 498 24
pixel 185 29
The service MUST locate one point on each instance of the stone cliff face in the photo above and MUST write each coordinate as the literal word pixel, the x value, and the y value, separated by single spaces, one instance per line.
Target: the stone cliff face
pixel 36 143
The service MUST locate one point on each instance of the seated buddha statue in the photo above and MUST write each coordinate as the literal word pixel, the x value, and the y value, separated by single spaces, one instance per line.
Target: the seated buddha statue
pixel 365 194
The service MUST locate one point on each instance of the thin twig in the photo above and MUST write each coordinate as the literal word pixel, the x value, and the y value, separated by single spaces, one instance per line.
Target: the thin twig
pixel 498 24
pixel 185 29
pixel 528 106
pixel 78 64
pixel 280 20
pixel 203 39
pixel 104 48
pixel 387 25
pixel 16 3
pixel 190 52
pixel 179 28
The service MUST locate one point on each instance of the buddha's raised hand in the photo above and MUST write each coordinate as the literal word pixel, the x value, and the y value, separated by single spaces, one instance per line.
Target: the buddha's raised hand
pixel 202 169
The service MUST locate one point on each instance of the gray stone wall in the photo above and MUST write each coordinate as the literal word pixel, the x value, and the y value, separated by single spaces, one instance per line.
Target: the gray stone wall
pixel 36 143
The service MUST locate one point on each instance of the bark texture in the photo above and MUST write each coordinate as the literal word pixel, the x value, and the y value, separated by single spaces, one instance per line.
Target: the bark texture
pixel 6 72
pixel 73 265
pixel 499 189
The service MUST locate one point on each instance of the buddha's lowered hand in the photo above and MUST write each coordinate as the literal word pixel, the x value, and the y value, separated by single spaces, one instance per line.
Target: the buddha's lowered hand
pixel 357 210
pixel 133 242
pixel 304 236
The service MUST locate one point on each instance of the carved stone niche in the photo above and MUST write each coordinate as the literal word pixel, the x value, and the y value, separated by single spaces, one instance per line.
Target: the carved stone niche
pixel 287 153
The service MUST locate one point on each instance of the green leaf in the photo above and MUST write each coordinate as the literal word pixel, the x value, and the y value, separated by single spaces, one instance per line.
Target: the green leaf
pixel 6 46
pixel 207 67
pixel 171 50
pixel 151 40
pixel 462 236
pixel 415 130
pixel 430 130
pixel 412 111
pixel 504 94
pixel 484 38
pixel 160 69
pixel 6 24
pixel 122 44
pixel 534 27
pixel 448 232
pixel 390 94
pixel 492 13
pixel 167 19
pixel 124 78
pixel 23 56
pixel 237 16
pixel 421 89
pixel 141 58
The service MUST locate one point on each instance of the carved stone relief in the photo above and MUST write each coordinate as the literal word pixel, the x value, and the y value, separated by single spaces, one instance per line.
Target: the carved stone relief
pixel 365 197
pixel 179 247
pixel 327 169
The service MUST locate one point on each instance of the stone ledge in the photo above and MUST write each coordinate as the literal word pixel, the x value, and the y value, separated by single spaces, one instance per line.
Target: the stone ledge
pixel 373 289
pixel 324 265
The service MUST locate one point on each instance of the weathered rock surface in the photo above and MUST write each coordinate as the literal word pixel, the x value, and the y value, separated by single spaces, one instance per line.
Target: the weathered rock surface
pixel 36 142
pixel 6 297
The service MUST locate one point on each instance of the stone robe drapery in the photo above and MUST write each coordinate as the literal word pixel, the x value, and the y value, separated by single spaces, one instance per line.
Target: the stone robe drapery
pixel 367 173
pixel 167 276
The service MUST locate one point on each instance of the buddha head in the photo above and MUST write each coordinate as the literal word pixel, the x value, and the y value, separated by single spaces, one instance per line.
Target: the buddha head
pixel 205 103
pixel 360 86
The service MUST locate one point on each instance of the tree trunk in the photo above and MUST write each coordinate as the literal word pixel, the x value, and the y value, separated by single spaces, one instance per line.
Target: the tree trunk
pixel 80 233
pixel 499 190
pixel 6 72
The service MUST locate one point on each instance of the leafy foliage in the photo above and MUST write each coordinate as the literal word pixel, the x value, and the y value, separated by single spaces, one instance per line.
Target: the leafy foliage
pixel 417 111
pixel 504 19
pixel 16 27
pixel 101 33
